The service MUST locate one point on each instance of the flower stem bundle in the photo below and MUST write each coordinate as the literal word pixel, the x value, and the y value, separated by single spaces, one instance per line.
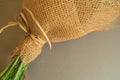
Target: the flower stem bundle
pixel 14 71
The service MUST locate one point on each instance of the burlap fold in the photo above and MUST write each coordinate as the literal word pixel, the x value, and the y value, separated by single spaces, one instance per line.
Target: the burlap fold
pixel 70 19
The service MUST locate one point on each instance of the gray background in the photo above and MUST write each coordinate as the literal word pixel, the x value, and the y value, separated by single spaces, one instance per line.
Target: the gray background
pixel 92 57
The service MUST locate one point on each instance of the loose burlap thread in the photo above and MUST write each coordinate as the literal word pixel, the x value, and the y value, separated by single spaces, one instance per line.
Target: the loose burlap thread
pixel 62 20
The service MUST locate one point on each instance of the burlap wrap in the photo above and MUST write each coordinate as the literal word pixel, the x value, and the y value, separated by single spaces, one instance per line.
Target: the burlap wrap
pixel 64 20
pixel 70 19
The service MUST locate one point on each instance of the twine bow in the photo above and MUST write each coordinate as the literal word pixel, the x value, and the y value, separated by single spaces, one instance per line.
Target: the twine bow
pixel 25 28
pixel 30 39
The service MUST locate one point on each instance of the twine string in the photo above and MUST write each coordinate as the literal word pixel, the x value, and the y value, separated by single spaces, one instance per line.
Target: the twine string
pixel 24 28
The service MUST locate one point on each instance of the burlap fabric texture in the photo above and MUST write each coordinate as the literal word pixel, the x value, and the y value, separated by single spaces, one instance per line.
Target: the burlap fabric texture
pixel 62 20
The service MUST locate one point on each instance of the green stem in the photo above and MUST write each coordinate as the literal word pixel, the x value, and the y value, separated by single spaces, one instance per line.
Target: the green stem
pixel 11 69
pixel 24 70
pixel 7 68
pixel 14 71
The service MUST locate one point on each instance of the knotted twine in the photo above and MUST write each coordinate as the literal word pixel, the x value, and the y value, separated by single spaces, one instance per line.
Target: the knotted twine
pixel 31 46
pixel 61 20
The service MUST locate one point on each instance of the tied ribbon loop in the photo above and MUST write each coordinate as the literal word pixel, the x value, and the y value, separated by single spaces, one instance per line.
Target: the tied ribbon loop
pixel 24 28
